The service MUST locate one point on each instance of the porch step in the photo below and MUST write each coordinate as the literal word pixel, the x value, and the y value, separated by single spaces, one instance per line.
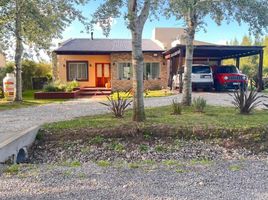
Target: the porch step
pixel 92 93
pixel 95 89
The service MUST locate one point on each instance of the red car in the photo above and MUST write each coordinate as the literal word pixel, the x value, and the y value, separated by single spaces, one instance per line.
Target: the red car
pixel 228 77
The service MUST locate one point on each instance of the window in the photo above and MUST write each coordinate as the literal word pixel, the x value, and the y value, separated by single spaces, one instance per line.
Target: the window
pixel 77 71
pixel 124 71
pixel 227 69
pixel 201 70
pixel 151 70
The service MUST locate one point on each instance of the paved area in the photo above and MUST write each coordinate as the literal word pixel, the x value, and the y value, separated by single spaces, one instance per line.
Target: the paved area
pixel 14 121
pixel 232 180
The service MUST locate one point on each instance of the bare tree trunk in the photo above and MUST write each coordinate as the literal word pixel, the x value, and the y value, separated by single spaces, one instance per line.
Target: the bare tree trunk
pixel 136 24
pixel 18 53
pixel 187 81
pixel 137 63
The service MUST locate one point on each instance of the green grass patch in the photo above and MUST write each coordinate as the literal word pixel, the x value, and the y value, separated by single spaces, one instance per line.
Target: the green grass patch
pixel 216 123
pixel 221 117
pixel 203 161
pixel 134 165
pixel 97 140
pixel 234 168
pixel 12 169
pixel 147 94
pixel 171 163
pixel 28 100
pixel 117 146
pixel 103 163
pixel 143 148
pixel 72 164
pixel 160 148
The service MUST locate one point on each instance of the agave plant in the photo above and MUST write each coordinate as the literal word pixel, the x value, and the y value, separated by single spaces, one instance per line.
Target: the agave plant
pixel 246 101
pixel 118 104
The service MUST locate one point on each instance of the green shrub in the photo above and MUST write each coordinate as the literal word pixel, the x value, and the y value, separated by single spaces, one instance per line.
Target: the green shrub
pixel 52 87
pixel 176 107
pixel 71 86
pixel 199 104
pixel 58 86
pixel 30 69
pixel 2 95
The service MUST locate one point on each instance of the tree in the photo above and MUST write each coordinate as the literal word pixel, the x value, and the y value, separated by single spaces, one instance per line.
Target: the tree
pixel 193 13
pixel 136 15
pixel 33 23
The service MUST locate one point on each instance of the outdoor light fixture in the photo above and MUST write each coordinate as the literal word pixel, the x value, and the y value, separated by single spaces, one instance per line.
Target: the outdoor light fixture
pixel 155 54
pixel 64 65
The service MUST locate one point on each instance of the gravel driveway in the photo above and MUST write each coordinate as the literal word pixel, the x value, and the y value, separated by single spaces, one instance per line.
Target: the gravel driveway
pixel 13 121
pixel 235 180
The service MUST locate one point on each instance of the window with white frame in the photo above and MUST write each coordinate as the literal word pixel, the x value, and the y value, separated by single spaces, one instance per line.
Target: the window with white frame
pixel 151 70
pixel 77 71
pixel 124 71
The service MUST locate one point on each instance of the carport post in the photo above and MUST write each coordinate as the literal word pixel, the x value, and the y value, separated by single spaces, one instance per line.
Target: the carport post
pixel 237 62
pixel 260 72
pixel 180 70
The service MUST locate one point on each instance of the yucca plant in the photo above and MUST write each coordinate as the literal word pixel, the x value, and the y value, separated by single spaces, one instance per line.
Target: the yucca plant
pixel 176 107
pixel 199 104
pixel 118 104
pixel 246 101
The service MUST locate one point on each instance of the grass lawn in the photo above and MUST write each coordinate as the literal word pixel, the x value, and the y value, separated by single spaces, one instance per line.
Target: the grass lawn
pixel 221 117
pixel 148 94
pixel 28 100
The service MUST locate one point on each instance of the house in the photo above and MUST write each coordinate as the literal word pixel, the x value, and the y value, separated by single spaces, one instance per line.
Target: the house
pixel 107 63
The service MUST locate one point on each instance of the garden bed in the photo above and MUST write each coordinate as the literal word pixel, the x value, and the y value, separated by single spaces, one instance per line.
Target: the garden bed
pixel 219 133
pixel 57 95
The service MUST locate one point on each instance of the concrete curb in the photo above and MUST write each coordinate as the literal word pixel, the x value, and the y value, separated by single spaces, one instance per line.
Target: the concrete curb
pixel 14 144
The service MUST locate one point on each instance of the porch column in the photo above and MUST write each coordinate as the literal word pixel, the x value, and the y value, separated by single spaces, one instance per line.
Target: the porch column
pixel 237 62
pixel 170 73
pixel 260 72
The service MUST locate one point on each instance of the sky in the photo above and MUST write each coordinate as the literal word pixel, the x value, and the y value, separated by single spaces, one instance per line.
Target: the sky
pixel 213 33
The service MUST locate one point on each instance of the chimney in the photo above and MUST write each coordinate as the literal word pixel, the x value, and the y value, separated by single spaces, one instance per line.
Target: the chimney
pixel 92 35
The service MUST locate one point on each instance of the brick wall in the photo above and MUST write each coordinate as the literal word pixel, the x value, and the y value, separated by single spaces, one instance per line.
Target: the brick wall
pixel 148 84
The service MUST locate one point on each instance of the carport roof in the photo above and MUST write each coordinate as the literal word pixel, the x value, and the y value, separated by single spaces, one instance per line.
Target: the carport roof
pixel 217 51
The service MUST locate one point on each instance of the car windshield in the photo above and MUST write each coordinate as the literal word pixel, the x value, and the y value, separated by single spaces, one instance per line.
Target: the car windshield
pixel 227 69
pixel 201 70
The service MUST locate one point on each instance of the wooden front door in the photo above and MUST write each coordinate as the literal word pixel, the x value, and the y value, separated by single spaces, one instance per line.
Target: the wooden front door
pixel 103 74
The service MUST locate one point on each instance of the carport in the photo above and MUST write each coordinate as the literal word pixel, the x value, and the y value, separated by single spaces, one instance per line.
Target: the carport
pixel 213 55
